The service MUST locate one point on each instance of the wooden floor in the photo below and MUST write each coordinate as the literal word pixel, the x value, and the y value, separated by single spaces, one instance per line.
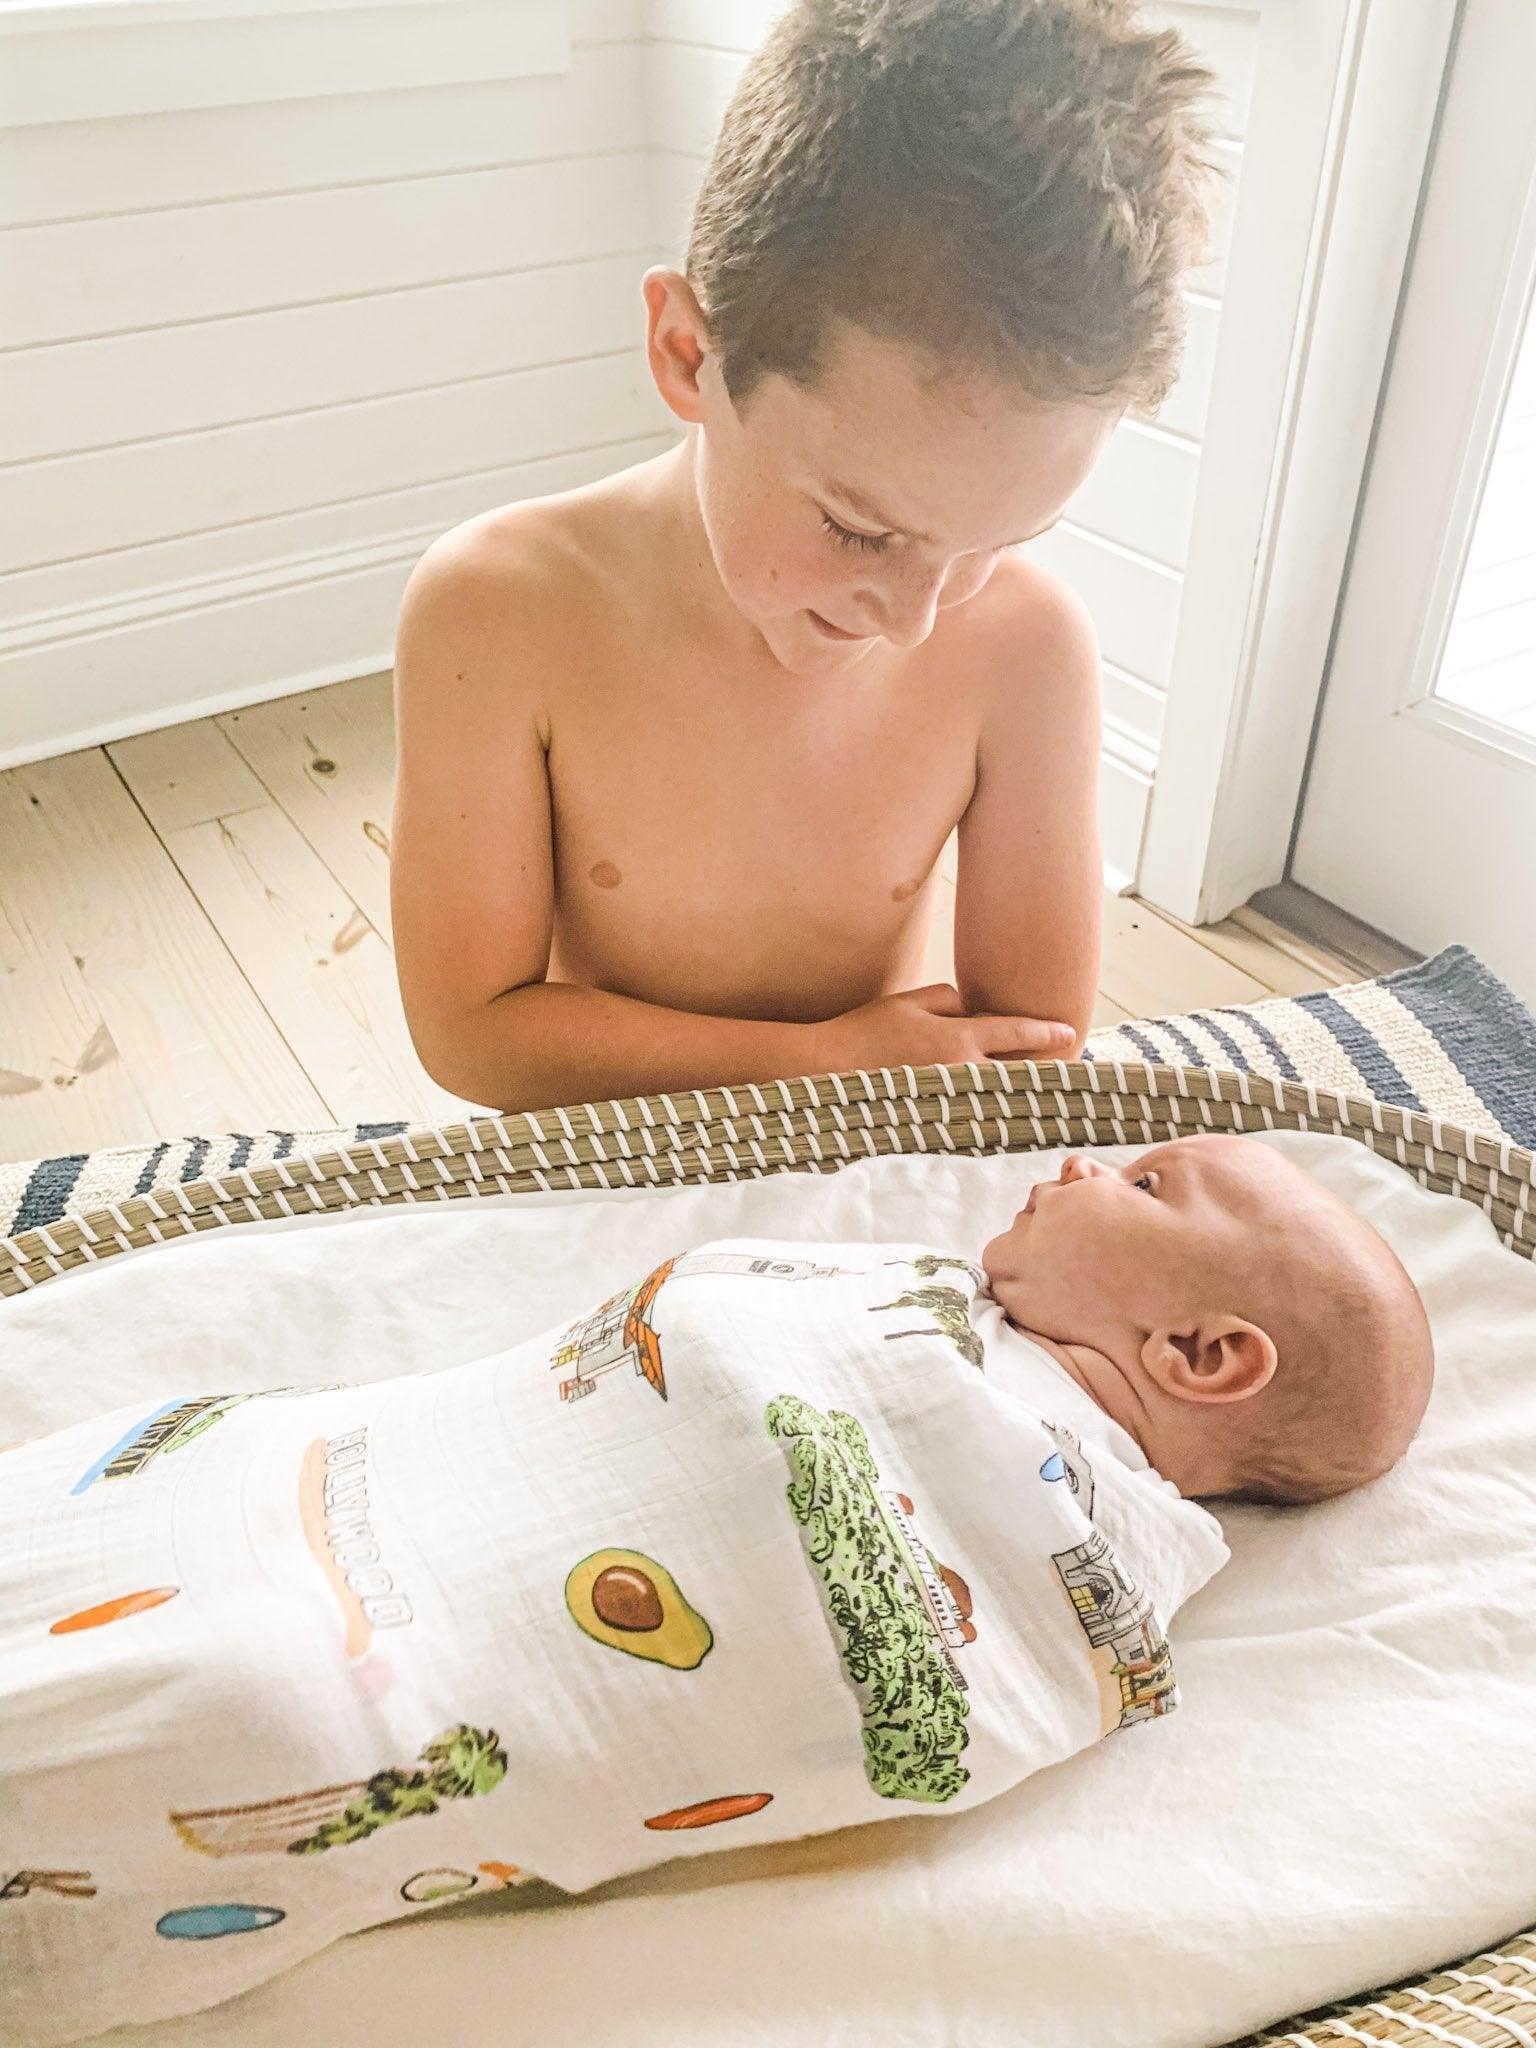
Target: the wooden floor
pixel 194 936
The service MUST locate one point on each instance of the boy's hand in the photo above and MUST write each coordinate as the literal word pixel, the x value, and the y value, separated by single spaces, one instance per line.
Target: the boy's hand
pixel 923 1027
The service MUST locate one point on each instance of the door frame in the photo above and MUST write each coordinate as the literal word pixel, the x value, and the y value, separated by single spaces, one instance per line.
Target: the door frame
pixel 1345 109
pixel 1455 788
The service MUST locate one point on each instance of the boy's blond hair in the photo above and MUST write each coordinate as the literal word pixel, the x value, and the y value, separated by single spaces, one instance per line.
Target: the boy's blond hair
pixel 1015 186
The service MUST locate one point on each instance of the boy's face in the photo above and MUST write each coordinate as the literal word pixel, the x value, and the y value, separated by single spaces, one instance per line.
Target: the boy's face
pixel 936 483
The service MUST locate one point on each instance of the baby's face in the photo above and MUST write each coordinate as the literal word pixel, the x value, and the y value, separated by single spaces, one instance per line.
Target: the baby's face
pixel 1153 1241
pixel 1196 1276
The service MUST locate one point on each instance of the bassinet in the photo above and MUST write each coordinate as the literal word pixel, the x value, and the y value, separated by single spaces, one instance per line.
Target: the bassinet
pixel 817 1125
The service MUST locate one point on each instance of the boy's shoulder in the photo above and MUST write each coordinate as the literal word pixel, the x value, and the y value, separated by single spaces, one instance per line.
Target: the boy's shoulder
pixel 1036 652
pixel 588 534
pixel 515 600
pixel 531 546
pixel 1033 611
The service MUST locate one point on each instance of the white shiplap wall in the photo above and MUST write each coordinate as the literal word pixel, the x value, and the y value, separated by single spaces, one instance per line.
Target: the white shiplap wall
pixel 259 354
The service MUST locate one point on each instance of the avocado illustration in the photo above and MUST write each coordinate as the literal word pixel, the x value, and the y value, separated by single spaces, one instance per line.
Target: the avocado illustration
pixel 629 1601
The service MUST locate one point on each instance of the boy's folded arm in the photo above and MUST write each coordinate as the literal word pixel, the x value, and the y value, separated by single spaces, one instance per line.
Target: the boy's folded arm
pixel 552 1043
pixel 472 871
pixel 1029 879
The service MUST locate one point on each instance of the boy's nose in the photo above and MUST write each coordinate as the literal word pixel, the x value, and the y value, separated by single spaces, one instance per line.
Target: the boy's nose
pixel 910 624
pixel 907 610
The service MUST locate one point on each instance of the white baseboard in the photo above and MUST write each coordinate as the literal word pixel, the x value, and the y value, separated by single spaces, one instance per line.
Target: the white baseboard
pixel 265 692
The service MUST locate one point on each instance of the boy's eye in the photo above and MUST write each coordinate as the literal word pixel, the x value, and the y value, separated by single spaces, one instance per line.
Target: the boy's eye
pixel 873 542
pixel 1143 1180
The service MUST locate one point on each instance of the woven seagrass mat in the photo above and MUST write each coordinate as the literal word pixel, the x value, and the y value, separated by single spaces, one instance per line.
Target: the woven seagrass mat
pixel 1487 2001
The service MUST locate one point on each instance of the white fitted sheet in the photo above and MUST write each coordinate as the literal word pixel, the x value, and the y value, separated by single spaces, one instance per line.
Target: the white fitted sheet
pixel 1347 1793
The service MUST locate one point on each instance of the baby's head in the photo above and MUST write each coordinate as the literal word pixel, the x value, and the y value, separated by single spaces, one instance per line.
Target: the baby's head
pixel 1257 1337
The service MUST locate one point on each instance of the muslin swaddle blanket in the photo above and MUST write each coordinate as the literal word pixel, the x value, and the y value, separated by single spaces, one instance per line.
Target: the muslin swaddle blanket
pixel 784 1538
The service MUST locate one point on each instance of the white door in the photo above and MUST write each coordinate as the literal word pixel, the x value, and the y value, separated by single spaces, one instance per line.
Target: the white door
pixel 1419 815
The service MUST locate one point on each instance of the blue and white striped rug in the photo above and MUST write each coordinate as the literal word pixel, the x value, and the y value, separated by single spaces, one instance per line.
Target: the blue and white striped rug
pixel 1446 1037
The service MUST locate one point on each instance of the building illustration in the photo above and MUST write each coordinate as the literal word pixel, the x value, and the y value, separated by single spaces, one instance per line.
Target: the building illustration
pixel 172 1426
pixel 1130 1650
pixel 942 1591
pixel 619 1333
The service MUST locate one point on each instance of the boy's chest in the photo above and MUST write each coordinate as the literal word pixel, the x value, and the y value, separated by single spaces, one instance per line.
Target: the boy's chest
pixel 718 848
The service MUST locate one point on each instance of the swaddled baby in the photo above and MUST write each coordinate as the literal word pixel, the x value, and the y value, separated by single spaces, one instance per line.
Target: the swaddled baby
pixel 782 1538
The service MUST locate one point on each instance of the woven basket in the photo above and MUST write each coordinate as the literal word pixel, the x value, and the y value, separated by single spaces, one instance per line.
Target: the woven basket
pixel 812 1125
pixel 819 1125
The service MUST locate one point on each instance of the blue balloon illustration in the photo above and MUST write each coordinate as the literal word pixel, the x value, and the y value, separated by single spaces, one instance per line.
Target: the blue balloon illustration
pixel 203 1923
pixel 1054 1467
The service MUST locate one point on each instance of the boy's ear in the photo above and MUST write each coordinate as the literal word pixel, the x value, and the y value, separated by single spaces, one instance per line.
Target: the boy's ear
pixel 1222 1359
pixel 675 339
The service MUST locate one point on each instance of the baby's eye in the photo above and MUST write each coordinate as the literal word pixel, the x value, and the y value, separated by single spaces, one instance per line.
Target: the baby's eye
pixel 1145 1180
pixel 873 542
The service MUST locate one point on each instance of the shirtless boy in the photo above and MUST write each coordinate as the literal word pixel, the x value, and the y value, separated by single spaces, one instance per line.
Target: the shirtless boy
pixel 679 750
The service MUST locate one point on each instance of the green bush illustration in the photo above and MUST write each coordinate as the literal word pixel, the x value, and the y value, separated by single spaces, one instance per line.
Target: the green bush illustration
pixel 914 1713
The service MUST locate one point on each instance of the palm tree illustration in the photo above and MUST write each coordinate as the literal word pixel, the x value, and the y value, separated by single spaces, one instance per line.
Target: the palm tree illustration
pixel 929 1263
pixel 949 1309
pixel 461 1763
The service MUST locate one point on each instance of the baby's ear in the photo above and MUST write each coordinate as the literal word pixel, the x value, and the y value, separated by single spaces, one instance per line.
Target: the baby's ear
pixel 1221 1359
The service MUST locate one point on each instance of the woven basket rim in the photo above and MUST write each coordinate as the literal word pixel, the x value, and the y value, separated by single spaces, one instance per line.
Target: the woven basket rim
pixel 1038 1091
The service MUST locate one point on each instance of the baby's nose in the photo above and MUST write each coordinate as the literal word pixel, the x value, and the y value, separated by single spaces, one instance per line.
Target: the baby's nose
pixel 1080 1167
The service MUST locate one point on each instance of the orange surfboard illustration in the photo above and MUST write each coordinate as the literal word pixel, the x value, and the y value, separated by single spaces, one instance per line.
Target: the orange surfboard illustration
pixel 708 1811
pixel 114 1610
